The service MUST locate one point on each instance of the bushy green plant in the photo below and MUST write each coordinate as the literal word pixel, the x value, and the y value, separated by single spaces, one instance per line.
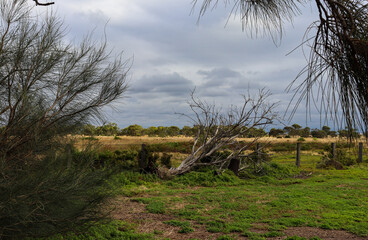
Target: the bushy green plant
pixel 124 159
pixel 57 193
pixel 272 170
pixel 340 161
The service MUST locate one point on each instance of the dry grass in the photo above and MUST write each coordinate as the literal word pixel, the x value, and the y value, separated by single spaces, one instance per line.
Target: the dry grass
pixel 129 142
pixel 126 142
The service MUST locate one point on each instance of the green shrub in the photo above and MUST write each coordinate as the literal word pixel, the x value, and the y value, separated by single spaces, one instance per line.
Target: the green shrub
pixel 340 161
pixel 301 139
pixel 53 195
pixel 272 170
pixel 124 159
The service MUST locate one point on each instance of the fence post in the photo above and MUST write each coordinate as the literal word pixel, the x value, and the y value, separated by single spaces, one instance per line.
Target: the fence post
pixel 234 165
pixel 142 158
pixel 333 148
pixel 258 153
pixel 298 154
pixel 360 157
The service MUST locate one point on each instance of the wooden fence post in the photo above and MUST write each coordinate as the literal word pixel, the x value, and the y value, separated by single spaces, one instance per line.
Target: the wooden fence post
pixel 142 158
pixel 234 165
pixel 360 157
pixel 298 154
pixel 333 152
pixel 258 153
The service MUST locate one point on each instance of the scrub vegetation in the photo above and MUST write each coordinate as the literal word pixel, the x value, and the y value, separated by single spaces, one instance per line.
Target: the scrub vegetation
pixel 269 204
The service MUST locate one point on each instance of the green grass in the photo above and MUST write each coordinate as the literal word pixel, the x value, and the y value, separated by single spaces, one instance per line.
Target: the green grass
pixel 328 199
pixel 185 226
pixel 116 230
pixel 281 196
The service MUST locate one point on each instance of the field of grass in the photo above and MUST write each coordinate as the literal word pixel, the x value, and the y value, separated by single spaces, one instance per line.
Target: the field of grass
pixel 281 202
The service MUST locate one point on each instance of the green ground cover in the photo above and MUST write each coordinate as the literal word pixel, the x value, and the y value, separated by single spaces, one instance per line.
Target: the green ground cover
pixel 281 197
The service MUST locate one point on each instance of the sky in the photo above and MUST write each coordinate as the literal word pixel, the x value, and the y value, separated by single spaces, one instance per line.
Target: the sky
pixel 172 53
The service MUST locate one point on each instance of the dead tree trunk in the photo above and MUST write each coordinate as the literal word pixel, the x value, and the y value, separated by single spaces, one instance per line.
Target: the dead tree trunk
pixel 218 130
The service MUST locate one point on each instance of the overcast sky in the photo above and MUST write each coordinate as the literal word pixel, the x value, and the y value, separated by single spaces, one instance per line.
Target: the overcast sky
pixel 173 53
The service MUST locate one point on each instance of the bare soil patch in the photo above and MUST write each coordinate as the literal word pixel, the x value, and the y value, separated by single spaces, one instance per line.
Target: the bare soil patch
pixel 135 212
pixel 309 232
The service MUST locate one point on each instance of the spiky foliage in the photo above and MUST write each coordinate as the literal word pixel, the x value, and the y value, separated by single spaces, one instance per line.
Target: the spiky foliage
pixel 48 89
pixel 338 62
pixel 54 195
pixel 261 16
pixel 338 43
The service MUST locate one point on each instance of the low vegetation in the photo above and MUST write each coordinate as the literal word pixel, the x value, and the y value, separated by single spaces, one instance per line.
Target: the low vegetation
pixel 204 204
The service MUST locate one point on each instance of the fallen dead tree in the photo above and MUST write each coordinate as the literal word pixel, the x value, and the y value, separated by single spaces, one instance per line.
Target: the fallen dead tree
pixel 217 130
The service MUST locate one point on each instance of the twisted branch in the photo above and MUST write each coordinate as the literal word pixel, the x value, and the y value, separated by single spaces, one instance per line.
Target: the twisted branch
pixel 43 4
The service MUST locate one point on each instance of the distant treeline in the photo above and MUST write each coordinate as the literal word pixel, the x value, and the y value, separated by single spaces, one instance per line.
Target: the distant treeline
pixel 295 130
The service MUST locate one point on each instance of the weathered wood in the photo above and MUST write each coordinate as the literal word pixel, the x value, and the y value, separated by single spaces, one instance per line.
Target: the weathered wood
pixel 259 157
pixel 298 147
pixel 234 166
pixel 333 150
pixel 142 160
pixel 360 157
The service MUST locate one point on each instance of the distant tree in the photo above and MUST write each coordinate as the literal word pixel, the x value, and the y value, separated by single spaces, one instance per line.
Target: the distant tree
pixel 187 131
pixel 305 132
pixel 151 131
pixel 338 58
pixel 295 130
pixel 317 133
pixel 254 133
pixel 134 130
pixel 275 132
pixel 333 133
pixel 109 129
pixel 288 129
pixel 173 131
pixel 349 132
pixel 161 131
pixel 326 129
pixel 89 129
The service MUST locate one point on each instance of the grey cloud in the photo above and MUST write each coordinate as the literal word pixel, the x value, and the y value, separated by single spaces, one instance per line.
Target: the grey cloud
pixel 167 84
pixel 170 50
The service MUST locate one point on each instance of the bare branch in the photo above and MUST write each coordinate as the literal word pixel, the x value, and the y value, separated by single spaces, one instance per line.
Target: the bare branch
pixel 218 129
pixel 43 4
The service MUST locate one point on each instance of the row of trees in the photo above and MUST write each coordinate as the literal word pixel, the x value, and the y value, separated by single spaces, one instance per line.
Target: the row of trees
pixel 295 130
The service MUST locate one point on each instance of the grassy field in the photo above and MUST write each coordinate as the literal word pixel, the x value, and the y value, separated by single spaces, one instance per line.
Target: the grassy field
pixel 281 202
